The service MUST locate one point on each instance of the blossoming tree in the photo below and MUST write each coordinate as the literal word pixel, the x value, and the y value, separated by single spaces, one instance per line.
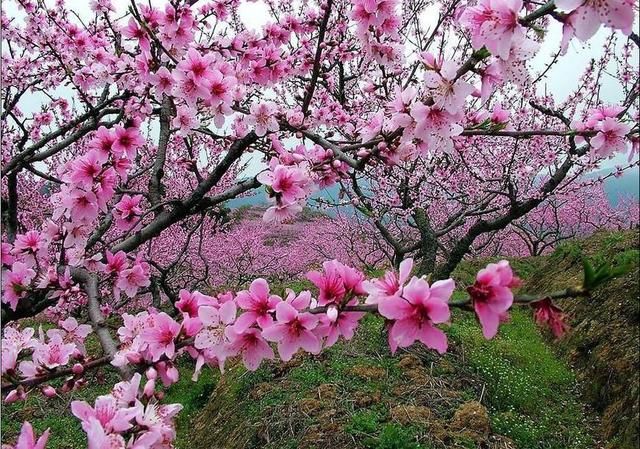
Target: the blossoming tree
pixel 145 117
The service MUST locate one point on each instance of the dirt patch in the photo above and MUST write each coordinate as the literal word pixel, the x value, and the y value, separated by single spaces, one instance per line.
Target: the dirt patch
pixel 368 372
pixel 411 415
pixel 472 418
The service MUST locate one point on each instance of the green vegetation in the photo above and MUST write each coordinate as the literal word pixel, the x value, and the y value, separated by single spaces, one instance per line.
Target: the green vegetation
pixel 529 390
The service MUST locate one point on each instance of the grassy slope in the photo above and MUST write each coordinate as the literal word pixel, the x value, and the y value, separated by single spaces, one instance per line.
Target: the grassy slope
pixel 604 345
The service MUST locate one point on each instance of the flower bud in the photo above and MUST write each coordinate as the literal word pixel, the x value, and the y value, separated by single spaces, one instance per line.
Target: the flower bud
pixel 77 369
pixel 49 391
pixel 149 388
pixel 332 313
pixel 151 373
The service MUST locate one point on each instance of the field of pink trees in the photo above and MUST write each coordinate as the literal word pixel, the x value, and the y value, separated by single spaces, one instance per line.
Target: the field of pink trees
pixel 128 127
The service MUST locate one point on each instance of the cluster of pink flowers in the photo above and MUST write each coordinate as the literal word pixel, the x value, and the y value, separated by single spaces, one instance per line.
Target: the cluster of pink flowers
pixel 492 296
pixel 128 417
pixel 26 356
pixel 585 17
pixel 287 187
pixel 611 133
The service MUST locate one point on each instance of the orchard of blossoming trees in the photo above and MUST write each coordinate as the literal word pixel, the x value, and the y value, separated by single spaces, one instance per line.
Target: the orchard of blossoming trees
pixel 147 114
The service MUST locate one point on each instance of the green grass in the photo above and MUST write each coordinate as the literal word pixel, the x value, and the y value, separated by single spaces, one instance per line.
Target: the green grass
pixel 529 390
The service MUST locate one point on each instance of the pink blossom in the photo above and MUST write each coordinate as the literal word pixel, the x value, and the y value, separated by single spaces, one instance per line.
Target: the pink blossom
pixel 81 205
pixel 447 93
pixel 258 304
pixel 54 353
pixel 214 322
pixel 344 325
pixel 16 283
pixel 112 417
pixel 390 285
pixel 127 211
pixel 185 120
pixel 116 263
pixel 416 311
pixel 546 312
pixel 263 117
pixel 611 137
pixel 287 184
pixel 131 279
pixel 85 170
pixel 251 345
pixel 491 295
pixel 493 24
pixel 5 257
pixel 279 213
pixel 163 81
pixel 336 282
pixel 293 331
pixel 160 338
pixel 127 141
pixel 27 439
pixel 587 16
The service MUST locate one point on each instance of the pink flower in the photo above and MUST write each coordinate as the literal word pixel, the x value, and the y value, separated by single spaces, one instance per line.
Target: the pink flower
pixel 126 392
pixel 292 331
pixel 390 285
pixel 587 16
pixel 81 205
pixel 102 142
pixel 85 170
pixel 127 141
pixel 214 322
pixel 30 244
pixel 263 117
pixel 27 439
pixel 611 137
pixel 344 325
pixel 336 282
pixel 98 438
pixel 16 283
pixel 493 24
pixel 258 303
pixel 112 417
pixel 131 279
pixel 282 212
pixel 185 120
pixel 163 81
pixel 133 31
pixel 434 120
pixel 53 354
pixel 189 303
pixel 491 295
pixel 116 263
pixel 546 312
pixel 447 93
pixel 416 312
pixel 127 212
pixel 160 337
pixel 5 257
pixel 251 345
pixel 287 184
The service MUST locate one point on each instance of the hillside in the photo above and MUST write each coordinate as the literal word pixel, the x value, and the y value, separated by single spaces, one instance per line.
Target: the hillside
pixel 517 391
pixel 603 346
